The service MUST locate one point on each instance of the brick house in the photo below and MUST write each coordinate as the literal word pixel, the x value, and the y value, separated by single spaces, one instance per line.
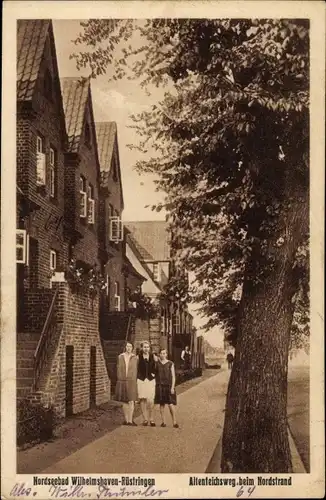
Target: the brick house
pixel 41 142
pixel 59 353
pixel 116 319
pixel 148 249
pixel 82 167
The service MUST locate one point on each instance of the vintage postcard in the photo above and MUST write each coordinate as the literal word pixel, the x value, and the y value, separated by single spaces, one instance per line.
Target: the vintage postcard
pixel 162 249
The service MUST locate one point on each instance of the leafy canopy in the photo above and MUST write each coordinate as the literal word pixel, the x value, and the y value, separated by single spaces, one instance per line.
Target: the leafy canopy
pixel 232 124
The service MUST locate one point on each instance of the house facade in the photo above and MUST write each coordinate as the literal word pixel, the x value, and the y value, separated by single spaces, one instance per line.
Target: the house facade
pixel 149 250
pixel 78 265
pixel 60 357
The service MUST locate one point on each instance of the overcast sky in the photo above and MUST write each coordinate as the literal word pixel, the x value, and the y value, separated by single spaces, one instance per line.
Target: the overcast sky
pixel 115 101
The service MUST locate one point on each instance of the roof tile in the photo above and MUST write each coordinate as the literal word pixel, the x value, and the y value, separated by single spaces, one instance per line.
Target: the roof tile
pixel 106 134
pixel 151 239
pixel 74 95
pixel 31 37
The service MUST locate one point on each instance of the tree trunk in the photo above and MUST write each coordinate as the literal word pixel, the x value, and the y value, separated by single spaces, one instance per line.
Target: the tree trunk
pixel 255 436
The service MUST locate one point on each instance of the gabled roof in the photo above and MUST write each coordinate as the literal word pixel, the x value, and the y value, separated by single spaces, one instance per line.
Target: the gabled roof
pixel 106 134
pixel 75 93
pixel 31 40
pixel 132 244
pixel 151 239
pixel 31 37
pixel 107 140
pixel 132 270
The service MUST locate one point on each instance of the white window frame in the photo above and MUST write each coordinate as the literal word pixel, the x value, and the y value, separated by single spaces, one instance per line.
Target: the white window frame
pixel 40 162
pixel 177 324
pixel 156 271
pixel 53 260
pixel 91 205
pixel 83 197
pixel 108 285
pixel 52 172
pixel 39 144
pixel 116 229
pixel 24 246
pixel 117 298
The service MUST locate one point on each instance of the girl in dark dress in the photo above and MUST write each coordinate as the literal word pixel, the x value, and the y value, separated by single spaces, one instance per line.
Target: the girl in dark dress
pixel 165 387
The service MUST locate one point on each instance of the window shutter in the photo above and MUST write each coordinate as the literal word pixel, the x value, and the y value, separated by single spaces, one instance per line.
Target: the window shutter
pixel 83 205
pixel 41 169
pixel 22 242
pixel 116 229
pixel 91 211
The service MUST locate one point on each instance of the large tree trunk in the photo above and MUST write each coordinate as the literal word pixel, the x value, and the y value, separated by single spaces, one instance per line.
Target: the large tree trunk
pixel 255 436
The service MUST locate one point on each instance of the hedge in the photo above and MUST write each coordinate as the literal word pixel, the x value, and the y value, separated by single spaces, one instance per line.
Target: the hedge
pixel 35 422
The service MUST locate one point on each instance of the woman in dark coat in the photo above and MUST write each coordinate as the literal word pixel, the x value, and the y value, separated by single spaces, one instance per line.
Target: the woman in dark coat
pixel 126 387
pixel 146 382
pixel 165 387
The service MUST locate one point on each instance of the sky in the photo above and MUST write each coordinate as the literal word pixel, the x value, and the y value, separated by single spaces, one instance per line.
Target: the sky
pixel 116 101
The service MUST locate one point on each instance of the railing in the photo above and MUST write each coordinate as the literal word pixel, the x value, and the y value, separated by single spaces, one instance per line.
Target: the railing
pixel 43 347
pixel 130 330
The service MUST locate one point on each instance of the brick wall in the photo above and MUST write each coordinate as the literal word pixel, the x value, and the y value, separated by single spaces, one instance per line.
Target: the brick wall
pixel 34 310
pixel 86 249
pixel 77 315
pixel 45 225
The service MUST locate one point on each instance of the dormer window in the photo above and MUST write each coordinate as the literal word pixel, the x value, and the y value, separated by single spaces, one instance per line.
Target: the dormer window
pixel 48 85
pixel 87 135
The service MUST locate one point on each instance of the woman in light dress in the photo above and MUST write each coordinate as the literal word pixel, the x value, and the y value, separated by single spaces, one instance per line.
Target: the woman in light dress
pixel 126 387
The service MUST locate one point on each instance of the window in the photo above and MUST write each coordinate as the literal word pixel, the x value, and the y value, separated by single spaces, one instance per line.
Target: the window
pixel 87 135
pixel 116 229
pixel 40 162
pixel 176 323
pixel 156 271
pixel 52 172
pixel 22 246
pixel 91 205
pixel 110 211
pixel 53 260
pixel 108 285
pixel 48 85
pixel 83 197
pixel 117 296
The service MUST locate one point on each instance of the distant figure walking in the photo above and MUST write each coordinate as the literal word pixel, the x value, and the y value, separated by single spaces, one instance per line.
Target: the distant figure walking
pixel 230 359
pixel 126 387
pixel 146 383
pixel 186 358
pixel 165 387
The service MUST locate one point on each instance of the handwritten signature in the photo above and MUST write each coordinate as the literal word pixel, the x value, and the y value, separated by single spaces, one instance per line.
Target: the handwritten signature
pixel 21 490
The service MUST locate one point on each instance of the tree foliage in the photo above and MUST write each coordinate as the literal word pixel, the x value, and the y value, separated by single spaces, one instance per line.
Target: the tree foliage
pixel 232 127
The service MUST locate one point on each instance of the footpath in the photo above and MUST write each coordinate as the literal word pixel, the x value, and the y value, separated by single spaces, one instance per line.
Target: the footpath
pixel 156 449
pixel 195 447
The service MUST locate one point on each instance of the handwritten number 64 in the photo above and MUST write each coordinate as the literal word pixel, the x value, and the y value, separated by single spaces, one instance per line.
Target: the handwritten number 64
pixel 242 490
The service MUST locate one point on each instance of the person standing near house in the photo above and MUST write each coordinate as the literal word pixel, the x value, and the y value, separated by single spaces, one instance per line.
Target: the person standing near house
pixel 146 383
pixel 186 358
pixel 165 387
pixel 230 359
pixel 126 387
